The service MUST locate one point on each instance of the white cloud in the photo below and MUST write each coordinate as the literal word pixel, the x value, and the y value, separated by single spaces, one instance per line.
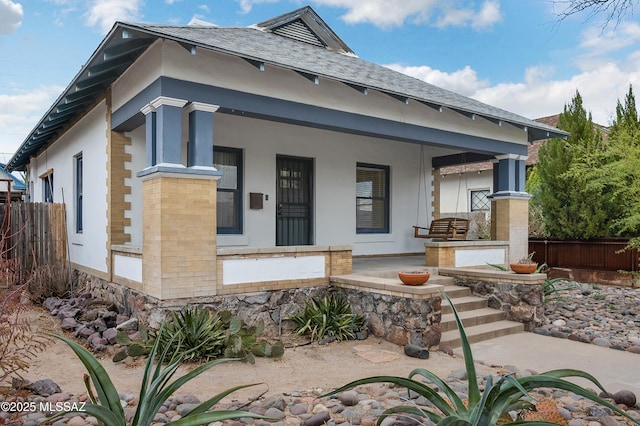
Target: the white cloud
pixel 488 15
pixel 598 42
pixel 104 13
pixel 20 111
pixel 537 95
pixel 247 5
pixel 464 81
pixel 394 13
pixel 11 15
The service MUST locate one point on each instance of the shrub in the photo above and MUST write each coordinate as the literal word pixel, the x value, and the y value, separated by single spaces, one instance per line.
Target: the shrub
pixel 489 407
pixel 193 334
pixel 18 345
pixel 156 388
pixel 198 334
pixel 50 281
pixel 329 316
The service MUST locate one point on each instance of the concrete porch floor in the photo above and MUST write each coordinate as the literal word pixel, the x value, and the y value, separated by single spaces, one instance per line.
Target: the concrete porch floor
pixel 365 265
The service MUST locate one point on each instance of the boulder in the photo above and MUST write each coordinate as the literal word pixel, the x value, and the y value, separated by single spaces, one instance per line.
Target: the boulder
pixel 45 387
pixel 416 351
pixel 129 325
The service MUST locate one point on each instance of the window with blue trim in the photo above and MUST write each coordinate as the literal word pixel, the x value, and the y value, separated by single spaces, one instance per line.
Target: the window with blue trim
pixel 372 199
pixel 229 195
pixel 47 186
pixel 78 191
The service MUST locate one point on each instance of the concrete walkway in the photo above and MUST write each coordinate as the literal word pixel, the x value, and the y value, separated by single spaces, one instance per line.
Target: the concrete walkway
pixel 616 370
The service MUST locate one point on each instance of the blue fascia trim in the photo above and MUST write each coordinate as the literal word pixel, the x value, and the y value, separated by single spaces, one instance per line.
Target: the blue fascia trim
pixel 128 117
pixel 509 194
pixel 196 171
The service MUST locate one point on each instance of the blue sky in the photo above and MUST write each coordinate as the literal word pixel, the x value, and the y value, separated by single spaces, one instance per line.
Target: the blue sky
pixel 514 54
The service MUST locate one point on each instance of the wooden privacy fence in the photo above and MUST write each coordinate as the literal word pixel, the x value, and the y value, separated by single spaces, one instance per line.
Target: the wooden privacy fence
pixel 32 234
pixel 604 255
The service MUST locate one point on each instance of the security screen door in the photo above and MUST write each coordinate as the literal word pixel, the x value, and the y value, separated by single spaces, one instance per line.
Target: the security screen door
pixel 293 196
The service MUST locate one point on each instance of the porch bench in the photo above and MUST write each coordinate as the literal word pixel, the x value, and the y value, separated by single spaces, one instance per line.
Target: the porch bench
pixel 447 228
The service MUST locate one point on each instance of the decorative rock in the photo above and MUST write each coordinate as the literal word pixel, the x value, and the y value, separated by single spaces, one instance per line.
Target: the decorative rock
pixel 625 397
pixel 601 341
pixel 274 401
pixel 76 421
pixel 110 335
pixel 398 335
pixel 45 387
pixel 299 408
pixel 634 349
pixel 446 349
pixel 183 409
pixel 129 325
pixel 317 419
pixel 610 421
pixel 459 375
pixel 69 324
pixel 348 398
pixel 274 413
pixel 416 351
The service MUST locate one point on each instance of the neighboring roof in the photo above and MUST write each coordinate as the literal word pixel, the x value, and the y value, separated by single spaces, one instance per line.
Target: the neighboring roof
pixel 17 185
pixel 290 41
pixel 532 151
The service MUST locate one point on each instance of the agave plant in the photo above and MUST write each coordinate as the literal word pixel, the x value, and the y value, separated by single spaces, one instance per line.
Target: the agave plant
pixel 194 334
pixel 330 316
pixel 492 406
pixel 155 390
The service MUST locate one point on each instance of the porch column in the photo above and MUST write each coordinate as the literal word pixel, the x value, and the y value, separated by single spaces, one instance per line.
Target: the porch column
pixel 199 145
pixel 163 125
pixel 510 205
pixel 179 210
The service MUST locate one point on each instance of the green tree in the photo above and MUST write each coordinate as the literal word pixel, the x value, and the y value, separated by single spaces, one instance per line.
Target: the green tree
pixel 626 116
pixel 611 170
pixel 570 209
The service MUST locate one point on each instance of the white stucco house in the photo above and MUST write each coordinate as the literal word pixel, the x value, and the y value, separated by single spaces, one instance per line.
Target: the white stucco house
pixel 198 161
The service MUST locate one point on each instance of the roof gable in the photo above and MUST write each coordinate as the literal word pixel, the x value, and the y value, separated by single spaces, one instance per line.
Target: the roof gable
pixel 304 25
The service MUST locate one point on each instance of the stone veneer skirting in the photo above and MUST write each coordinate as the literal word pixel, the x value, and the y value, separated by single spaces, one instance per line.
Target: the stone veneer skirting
pixel 395 318
pixel 519 296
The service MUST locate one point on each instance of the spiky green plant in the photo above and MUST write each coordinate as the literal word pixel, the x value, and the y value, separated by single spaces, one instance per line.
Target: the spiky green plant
pixel 507 394
pixel 555 286
pixel 329 316
pixel 156 388
pixel 193 334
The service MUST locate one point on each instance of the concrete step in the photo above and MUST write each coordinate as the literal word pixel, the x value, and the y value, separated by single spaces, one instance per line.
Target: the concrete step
pixel 454 291
pixel 481 332
pixel 471 318
pixel 464 303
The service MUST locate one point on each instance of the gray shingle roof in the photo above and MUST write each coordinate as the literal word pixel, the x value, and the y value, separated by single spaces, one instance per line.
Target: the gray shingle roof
pixel 117 52
pixel 257 45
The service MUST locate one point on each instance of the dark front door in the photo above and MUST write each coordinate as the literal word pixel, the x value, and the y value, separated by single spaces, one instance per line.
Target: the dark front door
pixel 293 211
